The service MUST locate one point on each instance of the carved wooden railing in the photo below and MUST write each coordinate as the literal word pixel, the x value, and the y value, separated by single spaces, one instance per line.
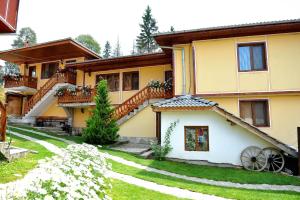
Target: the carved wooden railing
pixel 59 77
pixel 139 98
pixel 2 122
pixel 17 81
pixel 78 96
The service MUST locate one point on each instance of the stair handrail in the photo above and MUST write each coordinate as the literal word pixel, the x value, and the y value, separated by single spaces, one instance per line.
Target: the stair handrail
pixel 59 77
pixel 139 98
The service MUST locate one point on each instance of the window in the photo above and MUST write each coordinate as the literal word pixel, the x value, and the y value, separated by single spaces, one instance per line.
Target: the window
pixel 112 81
pixel 252 57
pixel 169 76
pixel 130 81
pixel 255 112
pixel 70 61
pixel 196 138
pixel 32 71
pixel 49 69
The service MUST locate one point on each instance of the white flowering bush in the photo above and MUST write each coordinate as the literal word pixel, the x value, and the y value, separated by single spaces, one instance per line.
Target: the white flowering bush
pixel 81 173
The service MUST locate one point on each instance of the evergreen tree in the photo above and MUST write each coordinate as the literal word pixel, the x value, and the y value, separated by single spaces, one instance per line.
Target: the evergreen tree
pixel 172 29
pixel 107 50
pixel 25 35
pixel 133 51
pixel 101 127
pixel 145 41
pixel 89 42
pixel 117 51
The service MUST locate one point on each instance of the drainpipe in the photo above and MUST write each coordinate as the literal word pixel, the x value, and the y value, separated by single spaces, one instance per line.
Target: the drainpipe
pixel 183 66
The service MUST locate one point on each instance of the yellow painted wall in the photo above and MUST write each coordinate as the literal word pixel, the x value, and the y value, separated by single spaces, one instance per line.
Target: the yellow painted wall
pixel 141 125
pixel 217 65
pixel 54 110
pixel 146 74
pixel 283 111
pixel 79 118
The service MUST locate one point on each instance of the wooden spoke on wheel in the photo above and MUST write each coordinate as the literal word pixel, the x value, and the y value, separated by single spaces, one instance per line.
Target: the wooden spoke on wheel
pixel 275 159
pixel 253 159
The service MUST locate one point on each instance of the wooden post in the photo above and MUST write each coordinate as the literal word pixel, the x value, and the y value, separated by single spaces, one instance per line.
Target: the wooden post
pixel 298 131
pixel 158 126
pixel 3 122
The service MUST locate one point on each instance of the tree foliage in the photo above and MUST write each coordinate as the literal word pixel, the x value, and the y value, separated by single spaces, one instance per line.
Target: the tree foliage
pixel 25 35
pixel 172 29
pixel 107 50
pixel 101 127
pixel 145 41
pixel 89 42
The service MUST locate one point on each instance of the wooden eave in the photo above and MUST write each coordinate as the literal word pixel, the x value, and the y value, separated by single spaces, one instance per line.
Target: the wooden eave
pixel 183 37
pixel 122 62
pixel 49 51
pixel 9 16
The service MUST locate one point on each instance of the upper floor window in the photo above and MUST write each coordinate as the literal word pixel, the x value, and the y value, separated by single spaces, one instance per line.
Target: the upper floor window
pixel 70 61
pixel 252 57
pixel 112 81
pixel 255 112
pixel 196 138
pixel 32 71
pixel 49 69
pixel 130 81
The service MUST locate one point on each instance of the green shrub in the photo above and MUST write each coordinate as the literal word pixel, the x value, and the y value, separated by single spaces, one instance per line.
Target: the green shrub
pixel 160 151
pixel 101 128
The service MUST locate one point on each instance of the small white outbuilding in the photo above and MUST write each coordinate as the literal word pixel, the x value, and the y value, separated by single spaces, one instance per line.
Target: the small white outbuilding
pixel 206 132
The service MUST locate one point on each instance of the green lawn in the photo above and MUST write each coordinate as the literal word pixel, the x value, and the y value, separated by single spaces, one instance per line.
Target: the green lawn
pixel 125 191
pixel 21 166
pixel 213 173
pixel 76 139
pixel 232 193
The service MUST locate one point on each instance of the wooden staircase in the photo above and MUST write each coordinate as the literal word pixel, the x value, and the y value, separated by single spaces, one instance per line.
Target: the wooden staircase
pixel 59 77
pixel 139 101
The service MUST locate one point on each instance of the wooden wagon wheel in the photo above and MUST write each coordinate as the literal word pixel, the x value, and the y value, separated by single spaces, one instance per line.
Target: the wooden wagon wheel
pixel 275 159
pixel 253 159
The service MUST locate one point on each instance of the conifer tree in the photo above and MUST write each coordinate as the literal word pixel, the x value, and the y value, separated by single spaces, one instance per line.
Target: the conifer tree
pixel 107 50
pixel 133 51
pixel 117 51
pixel 172 29
pixel 101 128
pixel 145 41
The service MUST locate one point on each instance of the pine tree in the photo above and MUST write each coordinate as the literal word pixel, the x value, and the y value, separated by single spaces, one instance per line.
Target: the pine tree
pixel 107 50
pixel 145 41
pixel 117 51
pixel 172 29
pixel 101 127
pixel 133 51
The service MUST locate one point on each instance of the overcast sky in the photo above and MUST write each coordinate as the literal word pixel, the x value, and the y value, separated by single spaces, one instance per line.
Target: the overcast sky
pixel 109 19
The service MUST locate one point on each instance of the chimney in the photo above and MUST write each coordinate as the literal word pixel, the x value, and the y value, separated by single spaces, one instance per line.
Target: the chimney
pixel 26 44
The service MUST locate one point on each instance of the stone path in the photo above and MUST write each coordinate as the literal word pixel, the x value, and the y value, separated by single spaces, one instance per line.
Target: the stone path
pixel 129 179
pixel 44 134
pixel 206 181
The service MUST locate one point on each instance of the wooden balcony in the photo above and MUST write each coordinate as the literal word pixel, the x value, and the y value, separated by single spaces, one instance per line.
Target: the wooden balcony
pixel 78 96
pixel 20 81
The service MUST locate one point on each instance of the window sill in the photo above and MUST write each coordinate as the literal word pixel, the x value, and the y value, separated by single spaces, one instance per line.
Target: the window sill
pixel 263 70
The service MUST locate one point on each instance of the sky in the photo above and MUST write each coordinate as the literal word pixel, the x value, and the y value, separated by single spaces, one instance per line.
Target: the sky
pixel 106 20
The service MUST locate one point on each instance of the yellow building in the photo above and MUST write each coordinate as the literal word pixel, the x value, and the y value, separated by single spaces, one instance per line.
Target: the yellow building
pixel 249 70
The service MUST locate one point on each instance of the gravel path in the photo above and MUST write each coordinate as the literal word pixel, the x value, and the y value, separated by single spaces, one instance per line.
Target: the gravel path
pixel 206 181
pixel 129 179
pixel 44 134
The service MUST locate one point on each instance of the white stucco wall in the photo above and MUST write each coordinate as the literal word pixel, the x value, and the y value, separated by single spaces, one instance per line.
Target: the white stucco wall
pixel 226 142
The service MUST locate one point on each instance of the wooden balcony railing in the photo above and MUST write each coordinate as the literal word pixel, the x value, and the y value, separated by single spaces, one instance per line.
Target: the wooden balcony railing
pixel 18 81
pixel 59 77
pixel 79 96
pixel 139 98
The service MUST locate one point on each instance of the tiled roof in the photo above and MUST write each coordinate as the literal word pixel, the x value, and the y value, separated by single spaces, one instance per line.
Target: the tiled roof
pixel 184 101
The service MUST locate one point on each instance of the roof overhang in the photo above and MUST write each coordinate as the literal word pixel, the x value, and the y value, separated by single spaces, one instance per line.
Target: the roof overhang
pixel 8 16
pixel 49 51
pixel 122 62
pixel 183 37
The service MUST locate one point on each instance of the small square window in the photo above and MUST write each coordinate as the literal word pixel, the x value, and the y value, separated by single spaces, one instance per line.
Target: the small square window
pixel 130 81
pixel 255 112
pixel 252 57
pixel 196 138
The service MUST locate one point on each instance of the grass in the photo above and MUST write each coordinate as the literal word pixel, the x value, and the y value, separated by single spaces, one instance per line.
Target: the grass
pixel 58 143
pixel 125 191
pixel 21 166
pixel 203 188
pixel 209 172
pixel 76 139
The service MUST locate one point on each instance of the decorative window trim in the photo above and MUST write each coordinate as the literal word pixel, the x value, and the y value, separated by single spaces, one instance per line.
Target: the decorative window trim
pixel 196 145
pixel 265 57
